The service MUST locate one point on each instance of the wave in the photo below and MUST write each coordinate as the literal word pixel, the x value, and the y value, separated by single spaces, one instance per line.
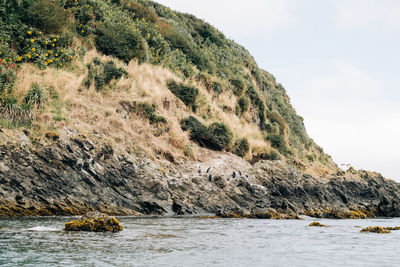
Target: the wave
pixel 42 229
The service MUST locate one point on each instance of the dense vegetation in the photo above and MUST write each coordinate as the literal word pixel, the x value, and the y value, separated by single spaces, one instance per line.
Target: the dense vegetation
pixel 42 32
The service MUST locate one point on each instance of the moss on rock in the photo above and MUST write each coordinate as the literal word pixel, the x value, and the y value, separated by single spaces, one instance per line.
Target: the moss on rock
pixel 375 229
pixel 94 222
pixel 317 224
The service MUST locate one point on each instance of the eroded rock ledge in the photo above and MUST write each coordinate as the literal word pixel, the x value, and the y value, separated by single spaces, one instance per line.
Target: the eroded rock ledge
pixel 76 175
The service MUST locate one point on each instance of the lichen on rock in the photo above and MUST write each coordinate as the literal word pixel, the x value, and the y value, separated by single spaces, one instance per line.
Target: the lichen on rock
pixel 317 224
pixel 94 222
pixel 376 229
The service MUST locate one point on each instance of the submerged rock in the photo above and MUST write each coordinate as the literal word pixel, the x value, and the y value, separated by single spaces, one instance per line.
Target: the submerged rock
pixel 317 224
pixel 94 222
pixel 376 229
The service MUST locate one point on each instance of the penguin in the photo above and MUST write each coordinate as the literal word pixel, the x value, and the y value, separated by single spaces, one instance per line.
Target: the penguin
pixel 210 178
pixel 240 173
pixel 199 170
pixel 247 176
pixel 233 175
pixel 209 168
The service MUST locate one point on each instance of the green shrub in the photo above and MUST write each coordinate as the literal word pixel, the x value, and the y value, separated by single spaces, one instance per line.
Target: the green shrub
pixel 241 147
pixel 198 132
pixel 220 134
pixel 217 88
pixel 8 76
pixel 217 136
pixel 112 72
pixel 35 96
pixel 141 12
pixel 272 155
pixel 48 15
pixel 10 110
pixel 242 105
pixel 259 104
pixel 148 111
pixel 101 74
pixel 238 86
pixel 311 157
pixel 188 94
pixel 276 140
pixel 179 41
pixel 120 40
pixel 206 31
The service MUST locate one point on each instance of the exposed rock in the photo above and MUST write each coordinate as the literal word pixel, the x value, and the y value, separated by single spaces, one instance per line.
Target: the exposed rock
pixel 72 176
pixel 94 222
pixel 376 229
pixel 317 224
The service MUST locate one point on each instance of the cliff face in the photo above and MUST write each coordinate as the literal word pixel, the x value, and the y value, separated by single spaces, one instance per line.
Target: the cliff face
pixel 79 174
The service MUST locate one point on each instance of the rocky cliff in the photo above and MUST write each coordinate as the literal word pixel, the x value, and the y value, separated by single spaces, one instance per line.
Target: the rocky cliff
pixel 78 174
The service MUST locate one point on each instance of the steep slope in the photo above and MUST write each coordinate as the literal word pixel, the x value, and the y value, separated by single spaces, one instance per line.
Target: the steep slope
pixel 216 79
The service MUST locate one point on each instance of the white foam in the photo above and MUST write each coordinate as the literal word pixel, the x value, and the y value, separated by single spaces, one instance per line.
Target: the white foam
pixel 42 228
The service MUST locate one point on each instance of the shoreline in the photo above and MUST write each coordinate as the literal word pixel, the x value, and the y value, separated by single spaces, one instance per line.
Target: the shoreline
pixel 72 176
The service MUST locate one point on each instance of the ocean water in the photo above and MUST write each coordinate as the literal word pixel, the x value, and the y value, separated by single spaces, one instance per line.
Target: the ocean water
pixel 199 242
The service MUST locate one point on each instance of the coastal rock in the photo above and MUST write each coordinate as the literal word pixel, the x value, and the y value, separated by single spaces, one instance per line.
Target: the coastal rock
pixel 64 177
pixel 94 222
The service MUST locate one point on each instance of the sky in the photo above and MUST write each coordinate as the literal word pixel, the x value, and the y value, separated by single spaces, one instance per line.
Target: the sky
pixel 338 61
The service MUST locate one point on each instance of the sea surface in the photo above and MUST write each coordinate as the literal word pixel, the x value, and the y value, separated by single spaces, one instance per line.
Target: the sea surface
pixel 199 242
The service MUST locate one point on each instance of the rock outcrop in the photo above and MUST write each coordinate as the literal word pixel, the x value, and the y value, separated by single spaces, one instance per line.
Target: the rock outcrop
pixel 75 175
pixel 94 222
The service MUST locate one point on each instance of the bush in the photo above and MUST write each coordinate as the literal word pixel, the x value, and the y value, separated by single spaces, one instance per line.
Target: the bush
pixel 238 86
pixel 220 134
pixel 241 147
pixel 48 15
pixel 242 105
pixel 217 136
pixel 141 12
pixel 148 111
pixel 179 41
pixel 188 94
pixel 10 110
pixel 112 72
pixel 276 141
pixel 8 76
pixel 198 132
pixel 217 88
pixel 259 104
pixel 206 31
pixel 272 155
pixel 35 96
pixel 102 74
pixel 120 40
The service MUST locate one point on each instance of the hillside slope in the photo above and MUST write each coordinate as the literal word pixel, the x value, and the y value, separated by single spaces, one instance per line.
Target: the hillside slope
pixel 151 72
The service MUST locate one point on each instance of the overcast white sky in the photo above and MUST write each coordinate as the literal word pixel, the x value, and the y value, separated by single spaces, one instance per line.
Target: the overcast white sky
pixel 338 60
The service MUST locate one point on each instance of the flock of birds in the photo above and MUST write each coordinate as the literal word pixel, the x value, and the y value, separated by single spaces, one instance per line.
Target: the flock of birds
pixel 234 174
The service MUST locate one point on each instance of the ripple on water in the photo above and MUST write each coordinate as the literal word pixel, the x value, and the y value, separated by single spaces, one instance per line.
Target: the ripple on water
pixel 198 242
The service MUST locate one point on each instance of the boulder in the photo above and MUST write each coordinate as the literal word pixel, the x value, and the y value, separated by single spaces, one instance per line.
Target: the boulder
pixel 94 222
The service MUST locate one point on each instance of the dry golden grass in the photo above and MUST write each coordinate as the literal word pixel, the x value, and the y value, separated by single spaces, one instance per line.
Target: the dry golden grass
pixel 91 112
